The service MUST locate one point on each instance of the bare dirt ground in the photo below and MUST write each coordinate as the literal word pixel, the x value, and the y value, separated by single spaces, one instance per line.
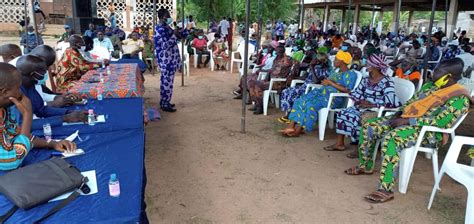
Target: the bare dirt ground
pixel 202 170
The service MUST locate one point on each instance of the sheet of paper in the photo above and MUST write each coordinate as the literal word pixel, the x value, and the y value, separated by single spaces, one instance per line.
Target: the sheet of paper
pixel 92 185
pixel 73 136
pixel 71 154
pixel 99 119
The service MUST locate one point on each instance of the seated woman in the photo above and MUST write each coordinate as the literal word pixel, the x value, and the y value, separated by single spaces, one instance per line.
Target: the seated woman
pixel 219 54
pixel 374 91
pixel 356 53
pixel 439 103
pixel 407 70
pixel 304 114
pixel 72 65
pixel 280 69
pixel 17 142
pixel 319 70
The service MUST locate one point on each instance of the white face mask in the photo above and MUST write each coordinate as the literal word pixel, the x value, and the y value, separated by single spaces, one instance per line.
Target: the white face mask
pixel 83 48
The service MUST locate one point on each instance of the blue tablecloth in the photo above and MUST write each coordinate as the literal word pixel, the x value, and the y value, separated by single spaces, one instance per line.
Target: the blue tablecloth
pixel 120 152
pixel 121 114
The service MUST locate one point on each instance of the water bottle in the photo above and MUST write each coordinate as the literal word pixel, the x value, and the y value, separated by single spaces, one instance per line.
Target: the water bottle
pixel 108 70
pixel 91 117
pixel 114 185
pixel 47 131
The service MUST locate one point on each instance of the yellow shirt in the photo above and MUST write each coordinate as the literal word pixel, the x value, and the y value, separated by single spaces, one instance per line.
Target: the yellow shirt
pixel 130 45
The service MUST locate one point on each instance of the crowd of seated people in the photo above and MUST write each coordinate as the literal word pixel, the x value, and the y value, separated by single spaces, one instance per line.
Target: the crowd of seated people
pixel 364 67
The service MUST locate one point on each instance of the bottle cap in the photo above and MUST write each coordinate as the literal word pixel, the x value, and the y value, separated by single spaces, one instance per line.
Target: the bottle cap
pixel 113 176
pixel 91 111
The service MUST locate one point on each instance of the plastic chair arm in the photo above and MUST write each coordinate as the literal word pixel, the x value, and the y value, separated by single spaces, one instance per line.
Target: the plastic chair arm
pixel 273 80
pixel 312 86
pixel 334 95
pixel 294 82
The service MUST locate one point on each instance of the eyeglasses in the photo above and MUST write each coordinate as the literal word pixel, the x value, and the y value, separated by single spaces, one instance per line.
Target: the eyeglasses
pixel 37 76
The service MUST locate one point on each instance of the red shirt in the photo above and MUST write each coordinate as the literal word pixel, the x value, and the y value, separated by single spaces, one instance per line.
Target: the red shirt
pixel 199 43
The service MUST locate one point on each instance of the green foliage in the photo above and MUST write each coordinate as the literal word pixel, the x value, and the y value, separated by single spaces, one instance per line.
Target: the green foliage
pixel 204 10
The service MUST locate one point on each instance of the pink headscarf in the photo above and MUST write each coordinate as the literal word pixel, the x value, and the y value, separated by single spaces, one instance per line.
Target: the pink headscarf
pixel 377 61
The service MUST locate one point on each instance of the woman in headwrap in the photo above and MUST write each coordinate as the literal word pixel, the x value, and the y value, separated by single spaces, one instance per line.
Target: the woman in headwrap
pixel 439 103
pixel 376 90
pixel 319 70
pixel 304 114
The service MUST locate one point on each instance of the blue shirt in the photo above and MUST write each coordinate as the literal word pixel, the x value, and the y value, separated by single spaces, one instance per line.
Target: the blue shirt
pixel 90 33
pixel 106 43
pixel 50 115
pixel 30 41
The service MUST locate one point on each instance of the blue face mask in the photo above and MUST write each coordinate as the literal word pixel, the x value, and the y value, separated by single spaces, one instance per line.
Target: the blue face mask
pixel 274 54
pixel 408 72
pixel 295 48
pixel 264 51
pixel 31 33
pixel 364 61
pixel 169 21
pixel 45 78
pixel 200 37
pixel 344 48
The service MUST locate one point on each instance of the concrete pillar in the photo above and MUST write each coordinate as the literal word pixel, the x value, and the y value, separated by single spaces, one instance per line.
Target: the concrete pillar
pixel 452 18
pixel 396 16
pixel 380 23
pixel 343 21
pixel 410 21
pixel 326 18
pixel 356 19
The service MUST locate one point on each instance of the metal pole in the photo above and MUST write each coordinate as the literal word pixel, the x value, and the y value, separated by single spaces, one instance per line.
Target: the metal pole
pixel 182 44
pixel 399 11
pixel 154 25
pixel 372 22
pixel 302 16
pixel 299 13
pixel 259 38
pixel 428 49
pixel 246 62
pixel 446 17
pixel 348 16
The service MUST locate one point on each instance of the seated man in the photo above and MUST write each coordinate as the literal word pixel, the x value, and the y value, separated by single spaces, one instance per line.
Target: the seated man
pixel 9 52
pixel 200 43
pixel 439 103
pixel 65 36
pixel 52 99
pixel 101 41
pixel 408 70
pixel 132 46
pixel 72 65
pixel 413 51
pixel 33 69
pixel 19 141
pixel 91 32
pixel 116 42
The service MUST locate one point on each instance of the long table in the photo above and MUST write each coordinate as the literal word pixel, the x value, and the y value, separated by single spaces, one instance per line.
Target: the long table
pixel 125 81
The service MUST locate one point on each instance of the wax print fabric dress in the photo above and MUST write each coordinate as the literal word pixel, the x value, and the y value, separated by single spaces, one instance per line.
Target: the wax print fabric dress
pixel 381 94
pixel 305 109
pixel 394 140
pixel 15 146
pixel 290 94
pixel 70 68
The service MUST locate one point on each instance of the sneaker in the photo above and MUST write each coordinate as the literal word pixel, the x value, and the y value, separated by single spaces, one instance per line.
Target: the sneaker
pixel 237 92
pixel 168 109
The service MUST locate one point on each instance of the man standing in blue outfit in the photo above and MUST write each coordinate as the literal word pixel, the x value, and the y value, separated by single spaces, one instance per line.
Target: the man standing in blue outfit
pixel 280 30
pixel 30 40
pixel 167 53
pixel 33 69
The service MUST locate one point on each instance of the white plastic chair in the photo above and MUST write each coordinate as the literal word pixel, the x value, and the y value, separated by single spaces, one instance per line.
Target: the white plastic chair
pixel 186 59
pixel 404 89
pixel 408 155
pixel 326 115
pixel 435 62
pixel 459 172
pixel 273 93
pixel 240 52
pixel 196 56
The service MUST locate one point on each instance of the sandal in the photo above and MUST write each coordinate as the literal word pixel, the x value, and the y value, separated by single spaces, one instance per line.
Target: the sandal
pixel 333 148
pixel 286 130
pixel 379 196
pixel 354 171
pixel 284 120
pixel 353 155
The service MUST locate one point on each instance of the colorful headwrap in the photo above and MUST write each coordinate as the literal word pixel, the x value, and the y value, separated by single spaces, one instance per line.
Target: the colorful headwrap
pixel 344 56
pixel 377 61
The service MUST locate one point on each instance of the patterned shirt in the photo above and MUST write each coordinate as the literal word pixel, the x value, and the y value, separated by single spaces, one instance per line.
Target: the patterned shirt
pixel 379 94
pixel 166 48
pixel 70 67
pixel 15 146
pixel 30 41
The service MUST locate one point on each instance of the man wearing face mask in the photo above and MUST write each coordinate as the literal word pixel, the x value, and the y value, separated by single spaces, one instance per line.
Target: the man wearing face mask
pixel 33 69
pixel 200 43
pixel 30 40
pixel 72 65
pixel 167 53
pixel 439 103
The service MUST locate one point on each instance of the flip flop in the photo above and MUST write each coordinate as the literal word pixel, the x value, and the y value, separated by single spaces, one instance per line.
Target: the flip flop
pixel 284 120
pixel 379 196
pixel 333 148
pixel 355 171
pixel 352 155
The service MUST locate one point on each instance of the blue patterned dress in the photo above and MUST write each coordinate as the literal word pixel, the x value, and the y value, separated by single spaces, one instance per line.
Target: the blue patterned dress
pixel 290 94
pixel 169 60
pixel 15 146
pixel 305 109
pixel 348 121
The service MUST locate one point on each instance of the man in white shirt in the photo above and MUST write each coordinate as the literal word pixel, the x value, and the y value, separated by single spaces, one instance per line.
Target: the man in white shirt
pixel 101 41
pixel 224 26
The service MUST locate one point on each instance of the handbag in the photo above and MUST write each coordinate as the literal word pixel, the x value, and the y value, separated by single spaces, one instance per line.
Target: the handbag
pixel 38 183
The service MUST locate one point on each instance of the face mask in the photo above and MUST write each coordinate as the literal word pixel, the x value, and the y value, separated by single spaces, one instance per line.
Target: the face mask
pixel 45 78
pixel 31 33
pixel 274 54
pixel 169 21
pixel 408 72
pixel 364 61
pixel 200 37
pixel 83 48
pixel 442 81
pixel 344 48
pixel 295 48
pixel 264 51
